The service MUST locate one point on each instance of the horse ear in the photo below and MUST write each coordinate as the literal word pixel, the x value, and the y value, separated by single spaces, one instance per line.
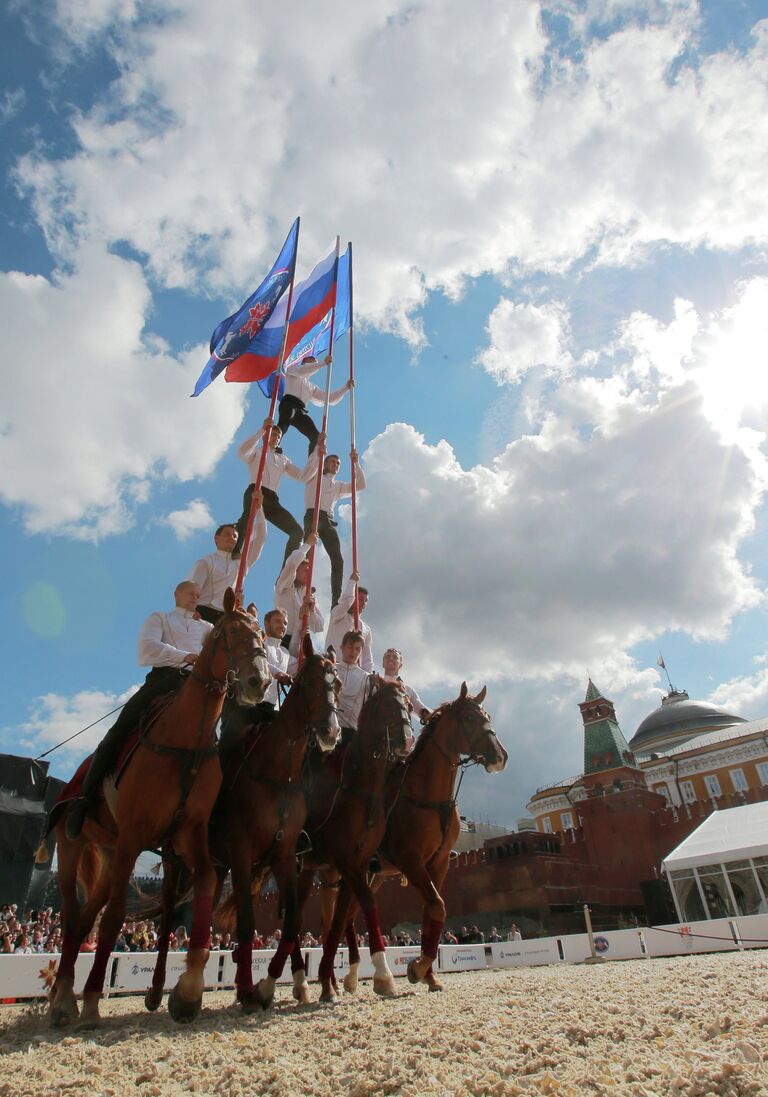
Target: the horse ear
pixel 481 695
pixel 331 653
pixel 306 646
pixel 230 601
pixel 464 691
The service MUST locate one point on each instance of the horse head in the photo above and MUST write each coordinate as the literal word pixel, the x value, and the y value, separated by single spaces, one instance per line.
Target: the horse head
pixel 319 687
pixel 476 735
pixel 237 657
pixel 388 704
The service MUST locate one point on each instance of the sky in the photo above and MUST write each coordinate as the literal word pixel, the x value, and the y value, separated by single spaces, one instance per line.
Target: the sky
pixel 560 232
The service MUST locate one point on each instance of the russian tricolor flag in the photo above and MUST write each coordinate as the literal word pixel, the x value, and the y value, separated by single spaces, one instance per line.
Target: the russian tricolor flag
pixel 312 299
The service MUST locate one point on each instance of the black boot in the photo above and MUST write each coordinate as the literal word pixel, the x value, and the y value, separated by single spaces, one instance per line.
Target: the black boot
pixel 104 761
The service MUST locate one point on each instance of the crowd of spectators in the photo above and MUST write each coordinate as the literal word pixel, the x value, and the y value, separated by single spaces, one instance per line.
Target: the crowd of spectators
pixel 30 931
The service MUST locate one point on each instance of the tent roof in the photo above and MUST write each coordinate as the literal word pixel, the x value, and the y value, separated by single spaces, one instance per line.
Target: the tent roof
pixel 730 835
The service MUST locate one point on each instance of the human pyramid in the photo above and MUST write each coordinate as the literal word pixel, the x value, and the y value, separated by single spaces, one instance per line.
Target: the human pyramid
pixel 169 643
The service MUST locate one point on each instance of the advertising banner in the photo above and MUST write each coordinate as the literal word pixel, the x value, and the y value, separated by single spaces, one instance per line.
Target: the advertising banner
pixel 259 964
pixel 135 970
pixel 538 950
pixel 462 957
pixel 676 940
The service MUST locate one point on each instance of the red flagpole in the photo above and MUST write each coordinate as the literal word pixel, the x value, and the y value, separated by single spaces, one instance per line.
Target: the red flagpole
pixel 353 443
pixel 320 459
pixel 265 440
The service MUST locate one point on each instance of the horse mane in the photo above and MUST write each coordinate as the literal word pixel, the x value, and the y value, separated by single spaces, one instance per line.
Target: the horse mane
pixel 428 730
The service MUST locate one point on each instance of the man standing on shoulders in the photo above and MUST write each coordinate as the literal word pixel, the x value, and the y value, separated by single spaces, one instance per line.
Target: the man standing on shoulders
pixel 343 620
pixel 354 681
pixel 331 490
pixel 169 643
pixel 218 570
pixel 300 391
pixel 276 464
pixel 290 596
pixel 392 663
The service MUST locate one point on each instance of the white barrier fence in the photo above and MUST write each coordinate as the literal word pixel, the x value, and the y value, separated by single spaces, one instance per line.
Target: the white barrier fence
pixel 131 972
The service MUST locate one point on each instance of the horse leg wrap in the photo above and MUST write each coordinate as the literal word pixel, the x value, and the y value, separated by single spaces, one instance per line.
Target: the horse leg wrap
pixel 277 963
pixel 354 951
pixel 95 981
pixel 297 959
pixel 244 976
pixel 430 937
pixel 375 939
pixel 329 953
pixel 200 936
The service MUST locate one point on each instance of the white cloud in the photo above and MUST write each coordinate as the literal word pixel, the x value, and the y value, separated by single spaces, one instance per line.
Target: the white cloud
pixel 11 103
pixel 481 151
pixel 54 718
pixel 524 336
pixel 745 696
pixel 193 518
pixel 94 413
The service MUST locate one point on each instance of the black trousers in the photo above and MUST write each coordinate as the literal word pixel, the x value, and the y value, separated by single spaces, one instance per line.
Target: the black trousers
pixel 326 531
pixel 159 681
pixel 292 412
pixel 275 513
pixel 209 614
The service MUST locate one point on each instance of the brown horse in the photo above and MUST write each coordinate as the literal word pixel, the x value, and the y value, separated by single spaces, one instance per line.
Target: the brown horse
pixel 423 818
pixel 165 795
pixel 261 812
pixel 346 820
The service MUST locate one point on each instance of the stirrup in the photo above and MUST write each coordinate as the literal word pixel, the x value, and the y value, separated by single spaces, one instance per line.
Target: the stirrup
pixel 303 844
pixel 76 816
pixel 374 864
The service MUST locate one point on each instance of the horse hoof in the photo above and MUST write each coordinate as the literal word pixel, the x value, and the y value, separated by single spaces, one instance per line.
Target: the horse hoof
pixel 153 998
pixel 435 986
pixel 182 1011
pixel 301 994
pixel 263 998
pixel 350 984
pixel 88 1023
pixel 412 971
pixel 384 987
pixel 61 1017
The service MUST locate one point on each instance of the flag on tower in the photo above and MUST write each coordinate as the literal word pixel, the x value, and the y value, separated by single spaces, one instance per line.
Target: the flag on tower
pixel 660 661
pixel 235 337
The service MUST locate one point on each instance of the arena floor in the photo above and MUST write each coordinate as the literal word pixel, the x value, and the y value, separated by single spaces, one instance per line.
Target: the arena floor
pixel 693 1025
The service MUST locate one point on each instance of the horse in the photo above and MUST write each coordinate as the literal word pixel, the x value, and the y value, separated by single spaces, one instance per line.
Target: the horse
pixel 165 796
pixel 423 818
pixel 259 816
pixel 346 821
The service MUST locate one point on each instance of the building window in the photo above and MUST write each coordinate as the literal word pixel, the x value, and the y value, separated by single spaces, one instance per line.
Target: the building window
pixel 688 791
pixel 762 772
pixel 713 785
pixel 663 791
pixel 546 823
pixel 566 820
pixel 738 780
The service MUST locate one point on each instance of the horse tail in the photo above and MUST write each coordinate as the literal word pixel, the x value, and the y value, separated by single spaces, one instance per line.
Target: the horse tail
pixel 225 914
pixel 152 902
pixel 42 857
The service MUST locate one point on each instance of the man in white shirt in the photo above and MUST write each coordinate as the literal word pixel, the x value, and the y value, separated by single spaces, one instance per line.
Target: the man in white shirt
pixel 290 596
pixel 354 682
pixel 393 663
pixel 279 659
pixel 299 391
pixel 218 570
pixel 331 490
pixel 514 934
pixel 169 643
pixel 276 465
pixel 342 620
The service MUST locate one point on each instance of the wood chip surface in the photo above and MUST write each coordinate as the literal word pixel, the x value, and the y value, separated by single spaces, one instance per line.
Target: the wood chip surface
pixel 692 1025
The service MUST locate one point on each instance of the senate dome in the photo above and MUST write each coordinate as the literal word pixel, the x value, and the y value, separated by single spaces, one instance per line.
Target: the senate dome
pixel 677 720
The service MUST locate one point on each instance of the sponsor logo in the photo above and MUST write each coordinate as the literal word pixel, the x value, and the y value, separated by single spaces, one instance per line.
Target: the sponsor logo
pixel 602 944
pixel 459 957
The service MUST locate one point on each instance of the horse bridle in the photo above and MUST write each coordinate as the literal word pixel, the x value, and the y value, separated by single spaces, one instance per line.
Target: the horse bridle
pixel 224 687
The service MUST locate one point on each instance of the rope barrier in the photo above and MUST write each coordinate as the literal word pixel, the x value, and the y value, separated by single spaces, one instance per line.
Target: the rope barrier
pixel 708 936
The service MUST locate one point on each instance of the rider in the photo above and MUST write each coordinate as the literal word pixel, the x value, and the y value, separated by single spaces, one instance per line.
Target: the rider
pixel 392 663
pixel 275 464
pixel 280 661
pixel 299 391
pixel 353 684
pixel 331 491
pixel 342 620
pixel 218 570
pixel 290 596
pixel 169 643
pixel 237 718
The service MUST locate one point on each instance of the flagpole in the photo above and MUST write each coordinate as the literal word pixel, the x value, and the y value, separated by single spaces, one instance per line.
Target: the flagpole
pixel 353 441
pixel 660 663
pixel 265 439
pixel 320 459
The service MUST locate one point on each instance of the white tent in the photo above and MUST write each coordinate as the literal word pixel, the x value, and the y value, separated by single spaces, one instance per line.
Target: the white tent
pixel 721 869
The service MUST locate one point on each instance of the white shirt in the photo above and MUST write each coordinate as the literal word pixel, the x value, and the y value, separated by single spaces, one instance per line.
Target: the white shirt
pixel 280 661
pixel 353 684
pixel 343 621
pixel 218 570
pixel 331 489
pixel 413 697
pixel 298 385
pixel 274 466
pixel 290 597
pixel 166 639
pixel 514 935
